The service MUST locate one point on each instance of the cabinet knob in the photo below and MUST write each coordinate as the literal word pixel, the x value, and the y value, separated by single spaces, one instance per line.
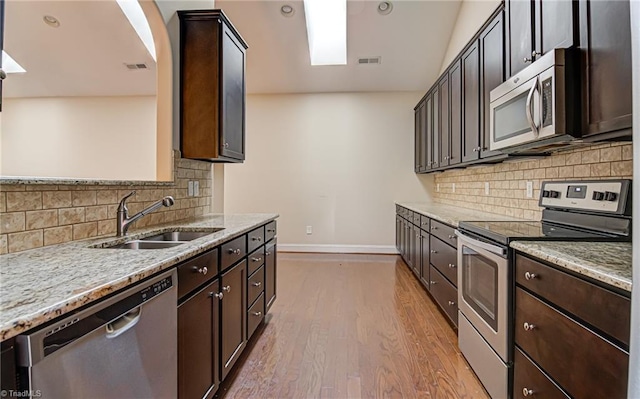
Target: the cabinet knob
pixel 257 284
pixel 451 236
pixel 526 60
pixel 434 227
pixel 256 259
pixel 433 251
pixel 451 303
pixel 226 145
pixel 271 230
pixel 218 295
pixel 526 391
pixel 226 288
pixel 417 235
pixel 258 314
pixel 529 276
pixel 452 266
pixel 268 253
pixel 432 282
pixel 475 149
pixel 234 251
pixel 528 327
pixel 256 238
pixel 479 149
pixel 201 270
pixel 535 53
pixel 3 75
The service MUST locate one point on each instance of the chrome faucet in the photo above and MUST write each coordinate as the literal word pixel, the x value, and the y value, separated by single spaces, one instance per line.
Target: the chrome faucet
pixel 124 221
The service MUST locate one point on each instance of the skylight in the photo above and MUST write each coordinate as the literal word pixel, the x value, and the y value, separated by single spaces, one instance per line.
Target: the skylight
pixel 133 11
pixel 9 65
pixel 327 31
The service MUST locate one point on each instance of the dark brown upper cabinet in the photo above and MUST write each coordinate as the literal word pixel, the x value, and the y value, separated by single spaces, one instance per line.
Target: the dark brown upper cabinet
pixel 417 140
pixel 605 52
pixel 444 118
pixel 491 76
pixel 212 82
pixel 471 103
pixel 436 133
pixel 537 26
pixel 455 87
pixel 427 133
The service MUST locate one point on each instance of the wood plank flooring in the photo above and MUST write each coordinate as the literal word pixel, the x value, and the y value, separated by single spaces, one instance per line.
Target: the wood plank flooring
pixel 351 326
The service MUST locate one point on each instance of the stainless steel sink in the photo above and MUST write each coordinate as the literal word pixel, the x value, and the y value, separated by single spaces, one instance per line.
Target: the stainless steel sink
pixel 139 244
pixel 180 235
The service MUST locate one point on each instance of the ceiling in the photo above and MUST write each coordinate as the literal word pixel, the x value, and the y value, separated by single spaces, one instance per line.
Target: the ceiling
pixel 412 42
pixel 85 56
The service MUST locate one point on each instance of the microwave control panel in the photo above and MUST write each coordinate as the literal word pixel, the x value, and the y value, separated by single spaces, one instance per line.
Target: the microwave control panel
pixel 547 103
pixel 608 196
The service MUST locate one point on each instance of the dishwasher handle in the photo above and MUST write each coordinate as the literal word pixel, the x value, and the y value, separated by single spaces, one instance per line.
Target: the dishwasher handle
pixel 124 323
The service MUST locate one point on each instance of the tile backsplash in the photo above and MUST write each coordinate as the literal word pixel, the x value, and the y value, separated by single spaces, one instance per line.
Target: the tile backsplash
pixel 36 215
pixel 508 180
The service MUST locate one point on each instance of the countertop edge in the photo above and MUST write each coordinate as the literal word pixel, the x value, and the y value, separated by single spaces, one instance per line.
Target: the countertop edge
pixel 465 213
pixel 16 326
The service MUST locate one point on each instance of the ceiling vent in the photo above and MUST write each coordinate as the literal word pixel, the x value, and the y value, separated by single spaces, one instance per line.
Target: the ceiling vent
pixel 369 60
pixel 135 67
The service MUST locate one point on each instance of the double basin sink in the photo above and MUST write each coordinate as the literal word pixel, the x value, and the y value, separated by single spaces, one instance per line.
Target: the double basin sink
pixel 163 240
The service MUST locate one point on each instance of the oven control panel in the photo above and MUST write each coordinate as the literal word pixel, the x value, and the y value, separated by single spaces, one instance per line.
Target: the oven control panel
pixel 608 196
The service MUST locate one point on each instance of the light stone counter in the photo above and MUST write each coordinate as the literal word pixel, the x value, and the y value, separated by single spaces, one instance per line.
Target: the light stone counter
pixel 608 262
pixel 452 215
pixel 41 284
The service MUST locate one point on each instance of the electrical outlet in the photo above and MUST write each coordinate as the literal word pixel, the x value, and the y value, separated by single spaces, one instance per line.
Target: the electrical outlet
pixel 486 188
pixel 196 188
pixel 453 187
pixel 438 187
pixel 190 189
pixel 309 230
pixel 529 189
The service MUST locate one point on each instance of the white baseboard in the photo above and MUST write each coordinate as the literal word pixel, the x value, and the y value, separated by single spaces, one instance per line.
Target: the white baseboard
pixel 338 249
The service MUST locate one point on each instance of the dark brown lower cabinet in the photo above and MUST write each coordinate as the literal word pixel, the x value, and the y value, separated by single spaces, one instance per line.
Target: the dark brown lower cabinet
pixel 529 380
pixel 424 255
pixel 445 294
pixel 233 316
pixel 270 273
pixel 198 351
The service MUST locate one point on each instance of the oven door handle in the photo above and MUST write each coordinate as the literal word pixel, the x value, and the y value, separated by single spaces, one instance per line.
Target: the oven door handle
pixel 481 244
pixel 529 107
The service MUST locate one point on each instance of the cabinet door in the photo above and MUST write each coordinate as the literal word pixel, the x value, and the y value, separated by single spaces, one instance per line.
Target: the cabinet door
pixel 491 76
pixel 520 18
pixel 605 49
pixel 232 95
pixel 398 232
pixel 417 145
pixel 415 237
pixel 427 142
pixel 555 24
pixel 471 104
pixel 233 315
pixel 424 256
pixel 271 262
pixel 198 344
pixel 435 132
pixel 443 120
pixel 455 82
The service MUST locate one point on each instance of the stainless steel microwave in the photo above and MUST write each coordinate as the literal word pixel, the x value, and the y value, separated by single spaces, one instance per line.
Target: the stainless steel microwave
pixel 537 109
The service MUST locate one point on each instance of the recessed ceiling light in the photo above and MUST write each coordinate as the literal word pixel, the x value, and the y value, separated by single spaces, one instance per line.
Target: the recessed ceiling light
pixel 385 8
pixel 51 21
pixel 287 10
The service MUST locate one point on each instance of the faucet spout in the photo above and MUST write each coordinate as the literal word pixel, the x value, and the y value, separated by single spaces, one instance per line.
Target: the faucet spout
pixel 124 221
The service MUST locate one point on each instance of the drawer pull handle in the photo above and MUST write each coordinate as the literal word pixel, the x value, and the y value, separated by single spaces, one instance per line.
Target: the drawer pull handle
pixel 271 230
pixel 256 259
pixel 234 251
pixel 256 238
pixel 432 282
pixel 227 288
pixel 434 227
pixel 201 270
pixel 451 236
pixel 257 284
pixel 452 266
pixel 527 392
pixel 451 303
pixel 433 251
pixel 258 314
pixel 529 276
pixel 528 327
pixel 219 295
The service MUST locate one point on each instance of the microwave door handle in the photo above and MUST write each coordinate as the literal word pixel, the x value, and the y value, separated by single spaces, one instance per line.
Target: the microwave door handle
pixel 541 101
pixel 529 110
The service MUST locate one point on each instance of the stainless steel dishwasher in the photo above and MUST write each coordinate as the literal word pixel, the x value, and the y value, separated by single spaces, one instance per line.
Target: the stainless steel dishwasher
pixel 122 347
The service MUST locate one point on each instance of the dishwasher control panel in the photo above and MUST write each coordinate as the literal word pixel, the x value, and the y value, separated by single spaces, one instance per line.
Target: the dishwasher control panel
pixel 155 289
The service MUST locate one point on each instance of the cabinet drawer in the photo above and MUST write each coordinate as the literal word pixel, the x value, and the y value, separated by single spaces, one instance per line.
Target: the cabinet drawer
pixel 416 218
pixel 424 223
pixel 197 271
pixel 271 230
pixel 255 286
pixel 233 251
pixel 255 314
pixel 255 260
pixel 529 378
pixel 444 232
pixel 604 309
pixel 444 293
pixel 583 363
pixel 255 239
pixel 445 259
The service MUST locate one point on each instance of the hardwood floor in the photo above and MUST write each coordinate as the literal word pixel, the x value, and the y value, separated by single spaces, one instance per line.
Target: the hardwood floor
pixel 351 326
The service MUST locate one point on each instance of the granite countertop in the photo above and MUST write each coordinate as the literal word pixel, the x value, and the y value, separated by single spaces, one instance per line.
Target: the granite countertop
pixel 452 215
pixel 608 262
pixel 41 284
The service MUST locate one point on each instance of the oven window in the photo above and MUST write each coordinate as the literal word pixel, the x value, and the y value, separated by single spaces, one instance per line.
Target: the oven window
pixel 510 119
pixel 480 285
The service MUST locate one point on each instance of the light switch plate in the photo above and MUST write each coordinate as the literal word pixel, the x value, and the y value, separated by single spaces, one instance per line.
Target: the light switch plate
pixel 529 189
pixel 190 189
pixel 196 188
pixel 309 230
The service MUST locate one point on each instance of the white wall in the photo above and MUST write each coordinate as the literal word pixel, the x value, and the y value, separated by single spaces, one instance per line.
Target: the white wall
pixel 336 162
pixel 88 137
pixel 472 15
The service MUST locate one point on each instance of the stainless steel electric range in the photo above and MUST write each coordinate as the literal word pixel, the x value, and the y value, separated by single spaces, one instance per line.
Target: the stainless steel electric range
pixel 573 210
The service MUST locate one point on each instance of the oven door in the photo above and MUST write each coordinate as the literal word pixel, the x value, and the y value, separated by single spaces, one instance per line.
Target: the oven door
pixel 483 289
